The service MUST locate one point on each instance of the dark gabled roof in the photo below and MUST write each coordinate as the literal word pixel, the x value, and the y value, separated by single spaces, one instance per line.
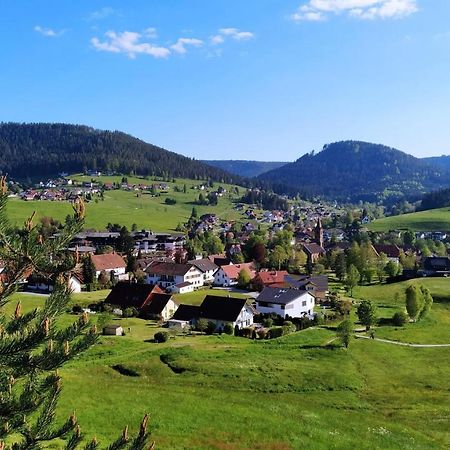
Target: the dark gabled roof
pixel 134 295
pixel 320 282
pixel 281 296
pixel 187 312
pixel 390 250
pixel 204 265
pixel 184 284
pixel 157 304
pixel 313 249
pixel 439 264
pixel 221 308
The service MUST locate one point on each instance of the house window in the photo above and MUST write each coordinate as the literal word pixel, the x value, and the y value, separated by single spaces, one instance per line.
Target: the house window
pixel 304 303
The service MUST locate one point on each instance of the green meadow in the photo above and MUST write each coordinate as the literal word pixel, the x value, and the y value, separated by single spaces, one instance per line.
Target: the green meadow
pixel 430 220
pixel 129 207
pixel 299 391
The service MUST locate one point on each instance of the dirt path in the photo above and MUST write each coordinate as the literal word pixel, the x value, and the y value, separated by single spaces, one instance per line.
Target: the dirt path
pixel 405 344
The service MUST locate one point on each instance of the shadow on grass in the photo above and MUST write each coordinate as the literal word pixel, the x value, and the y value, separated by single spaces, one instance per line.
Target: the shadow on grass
pixel 318 347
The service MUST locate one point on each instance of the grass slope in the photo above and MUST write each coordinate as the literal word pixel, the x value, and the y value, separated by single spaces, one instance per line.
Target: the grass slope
pixel 290 393
pixel 430 220
pixel 125 208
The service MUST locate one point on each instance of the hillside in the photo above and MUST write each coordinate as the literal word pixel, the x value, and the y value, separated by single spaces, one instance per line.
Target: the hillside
pixel 243 168
pixel 430 220
pixel 354 171
pixel 126 208
pixel 439 161
pixel 45 149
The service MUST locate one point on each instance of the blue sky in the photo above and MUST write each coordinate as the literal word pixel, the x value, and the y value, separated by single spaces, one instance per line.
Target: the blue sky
pixel 233 79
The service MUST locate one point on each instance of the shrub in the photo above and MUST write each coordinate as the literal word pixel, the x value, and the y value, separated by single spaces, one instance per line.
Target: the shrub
pixel 170 201
pixel 228 329
pixel 318 319
pixel 268 322
pixel 262 333
pixel 275 332
pixel 210 328
pixel 130 312
pixel 77 309
pixel 162 336
pixel 247 332
pixel 399 318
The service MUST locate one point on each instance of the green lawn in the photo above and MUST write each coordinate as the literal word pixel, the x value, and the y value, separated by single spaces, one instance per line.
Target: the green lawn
pixel 434 329
pixel 430 220
pixel 291 393
pixel 196 297
pixel 126 208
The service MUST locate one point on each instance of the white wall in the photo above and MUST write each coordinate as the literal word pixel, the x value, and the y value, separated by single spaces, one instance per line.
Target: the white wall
pixel 304 304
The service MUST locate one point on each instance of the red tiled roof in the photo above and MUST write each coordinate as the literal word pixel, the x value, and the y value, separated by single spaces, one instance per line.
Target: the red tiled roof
pixel 108 261
pixel 232 270
pixel 271 277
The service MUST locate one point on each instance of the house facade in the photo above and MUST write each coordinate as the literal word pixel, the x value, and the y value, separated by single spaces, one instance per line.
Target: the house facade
pixel 286 302
pixel 168 275
pixel 109 262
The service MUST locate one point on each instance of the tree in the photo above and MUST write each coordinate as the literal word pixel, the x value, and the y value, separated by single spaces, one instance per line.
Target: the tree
pixel 391 269
pixel 34 345
pixel 352 279
pixel 427 300
pixel 278 256
pixel 366 313
pixel 340 267
pixel 89 272
pixel 414 301
pixel 202 325
pixel 243 279
pixel 344 332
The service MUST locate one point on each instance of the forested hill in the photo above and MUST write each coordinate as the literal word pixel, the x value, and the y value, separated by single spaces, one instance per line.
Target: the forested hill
pixel 42 149
pixel 439 161
pixel 243 168
pixel 354 171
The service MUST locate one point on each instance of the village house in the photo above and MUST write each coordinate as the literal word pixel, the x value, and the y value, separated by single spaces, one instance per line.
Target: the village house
pixel 109 263
pixel 285 302
pixel 171 275
pixel 41 283
pixel 391 251
pixel 436 266
pixel 265 278
pixel 227 276
pixel 148 299
pixel 219 310
pixel 207 267
pixel 317 285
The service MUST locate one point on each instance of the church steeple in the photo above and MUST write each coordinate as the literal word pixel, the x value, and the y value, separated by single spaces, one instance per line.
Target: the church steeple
pixel 318 232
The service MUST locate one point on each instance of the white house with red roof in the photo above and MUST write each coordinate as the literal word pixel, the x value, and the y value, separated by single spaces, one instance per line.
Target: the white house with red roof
pixel 109 262
pixel 227 275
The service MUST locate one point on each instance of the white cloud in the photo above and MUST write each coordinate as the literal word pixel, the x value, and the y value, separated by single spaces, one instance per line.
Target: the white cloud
pixel 48 32
pixel 180 45
pixel 128 42
pixel 102 13
pixel 232 33
pixel 316 10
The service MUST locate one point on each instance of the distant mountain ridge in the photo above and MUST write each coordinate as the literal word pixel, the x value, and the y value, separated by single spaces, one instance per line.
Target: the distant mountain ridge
pixel 47 149
pixel 360 171
pixel 245 168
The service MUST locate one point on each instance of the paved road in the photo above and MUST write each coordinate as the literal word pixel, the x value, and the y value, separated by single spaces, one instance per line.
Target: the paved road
pixel 405 344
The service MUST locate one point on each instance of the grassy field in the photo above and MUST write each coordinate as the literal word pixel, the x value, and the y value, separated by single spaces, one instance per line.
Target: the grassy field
pixel 126 208
pixel 431 220
pixel 295 392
